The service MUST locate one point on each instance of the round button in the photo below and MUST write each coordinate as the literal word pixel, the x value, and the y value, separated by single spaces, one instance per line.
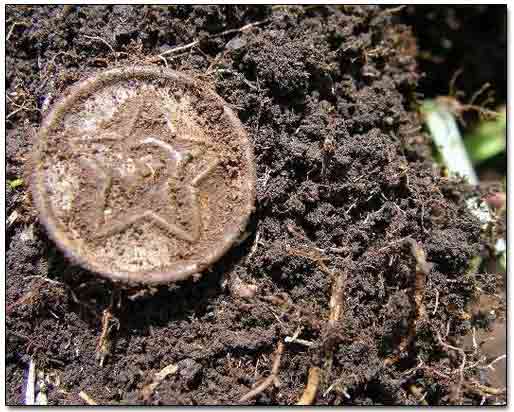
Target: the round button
pixel 143 175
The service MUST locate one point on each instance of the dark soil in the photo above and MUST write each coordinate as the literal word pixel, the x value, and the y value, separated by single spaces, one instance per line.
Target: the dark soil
pixel 346 189
pixel 471 38
pixel 466 44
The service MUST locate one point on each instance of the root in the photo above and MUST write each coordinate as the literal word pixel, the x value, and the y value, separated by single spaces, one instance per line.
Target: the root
pixel 393 10
pixel 270 379
pixel 436 302
pixel 311 254
pixel 20 108
pixel 336 299
pixel 461 369
pixel 336 310
pixel 30 391
pixel 103 349
pixel 484 390
pixel 16 23
pixel 458 109
pixel 195 43
pixel 499 358
pixel 473 386
pixel 104 42
pixel 149 389
pixel 309 394
pixel 295 339
pixel 86 398
pixel 422 270
pixel 418 394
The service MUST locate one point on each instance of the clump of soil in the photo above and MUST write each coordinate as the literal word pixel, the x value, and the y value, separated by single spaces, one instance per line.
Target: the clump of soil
pixel 358 255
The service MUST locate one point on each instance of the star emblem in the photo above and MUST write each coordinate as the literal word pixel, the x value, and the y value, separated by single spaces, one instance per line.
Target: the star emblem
pixel 160 170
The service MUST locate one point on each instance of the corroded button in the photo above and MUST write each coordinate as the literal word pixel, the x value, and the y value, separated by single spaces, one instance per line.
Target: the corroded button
pixel 143 175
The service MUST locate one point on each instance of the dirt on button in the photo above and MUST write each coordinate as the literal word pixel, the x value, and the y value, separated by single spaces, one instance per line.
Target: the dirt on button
pixel 354 275
pixel 143 175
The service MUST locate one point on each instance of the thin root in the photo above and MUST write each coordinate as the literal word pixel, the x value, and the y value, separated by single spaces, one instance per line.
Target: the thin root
pixel 461 369
pixel 309 394
pixel 86 398
pixel 103 349
pixel 482 389
pixel 149 389
pixel 422 270
pixel 270 379
pixel 104 42
pixel 196 42
pixel 418 394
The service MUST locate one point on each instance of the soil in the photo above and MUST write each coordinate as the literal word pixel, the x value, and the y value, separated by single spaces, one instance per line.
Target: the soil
pixel 359 247
pixel 463 45
pixel 471 38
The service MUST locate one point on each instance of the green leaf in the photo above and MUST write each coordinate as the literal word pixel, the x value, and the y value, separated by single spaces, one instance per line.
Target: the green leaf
pixel 488 139
pixel 13 184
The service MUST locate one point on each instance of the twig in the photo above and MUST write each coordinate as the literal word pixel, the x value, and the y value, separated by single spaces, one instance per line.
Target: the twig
pixel 30 390
pixel 87 398
pixel 309 394
pixel 270 379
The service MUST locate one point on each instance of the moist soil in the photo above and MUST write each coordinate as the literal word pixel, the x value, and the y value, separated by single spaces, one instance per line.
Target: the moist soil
pixel 469 38
pixel 465 45
pixel 347 195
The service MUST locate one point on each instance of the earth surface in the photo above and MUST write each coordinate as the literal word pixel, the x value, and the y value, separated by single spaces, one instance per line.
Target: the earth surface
pixel 358 261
